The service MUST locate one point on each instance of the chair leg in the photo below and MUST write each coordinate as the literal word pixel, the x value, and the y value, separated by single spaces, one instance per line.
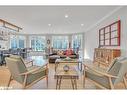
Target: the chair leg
pixel 9 81
pixel 72 82
pixel 111 84
pixel 24 83
pixel 84 77
pixel 47 81
pixel 125 82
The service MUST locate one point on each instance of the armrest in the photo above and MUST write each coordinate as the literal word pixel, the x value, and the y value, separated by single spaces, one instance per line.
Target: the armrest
pixel 39 70
pixel 42 68
pixel 27 62
pixel 34 70
pixel 102 73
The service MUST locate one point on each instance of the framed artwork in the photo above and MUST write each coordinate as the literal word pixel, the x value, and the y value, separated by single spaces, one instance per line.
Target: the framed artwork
pixel 110 34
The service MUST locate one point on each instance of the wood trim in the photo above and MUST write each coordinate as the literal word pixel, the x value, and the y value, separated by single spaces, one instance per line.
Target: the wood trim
pixel 8 23
pixel 9 80
pixel 5 22
pixel 97 84
pixel 25 80
pixel 84 76
pixel 111 84
pixel 125 82
pixel 101 73
pixel 118 30
pixel 34 82
pixel 34 70
pixel 110 24
pixel 27 62
pixel 99 38
pixel 110 35
pixel 119 33
pixel 26 74
pixel 104 38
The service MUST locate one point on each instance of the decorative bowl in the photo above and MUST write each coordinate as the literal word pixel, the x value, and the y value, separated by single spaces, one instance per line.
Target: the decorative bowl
pixel 66 68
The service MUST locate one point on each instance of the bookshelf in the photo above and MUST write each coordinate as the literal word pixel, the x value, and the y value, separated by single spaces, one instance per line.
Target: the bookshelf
pixel 110 34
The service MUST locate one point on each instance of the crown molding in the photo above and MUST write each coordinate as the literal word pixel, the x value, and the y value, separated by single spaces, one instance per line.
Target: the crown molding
pixel 105 17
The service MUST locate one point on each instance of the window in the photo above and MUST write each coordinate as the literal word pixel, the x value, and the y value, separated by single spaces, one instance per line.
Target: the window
pixel 13 42
pixel 60 42
pixel 17 41
pixel 38 43
pixel 21 41
pixel 77 41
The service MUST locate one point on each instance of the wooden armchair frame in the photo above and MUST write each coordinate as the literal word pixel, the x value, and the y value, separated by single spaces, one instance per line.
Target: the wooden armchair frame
pixel 34 71
pixel 109 76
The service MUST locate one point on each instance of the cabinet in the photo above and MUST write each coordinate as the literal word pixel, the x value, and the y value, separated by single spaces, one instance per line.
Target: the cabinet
pixel 103 56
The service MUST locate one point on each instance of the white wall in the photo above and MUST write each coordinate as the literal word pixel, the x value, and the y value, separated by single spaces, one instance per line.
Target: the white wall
pixel 92 36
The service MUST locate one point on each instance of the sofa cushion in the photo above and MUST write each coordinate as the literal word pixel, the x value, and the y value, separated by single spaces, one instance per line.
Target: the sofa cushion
pixel 60 52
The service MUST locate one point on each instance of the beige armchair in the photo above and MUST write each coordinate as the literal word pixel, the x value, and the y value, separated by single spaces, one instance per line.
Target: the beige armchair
pixel 107 79
pixel 26 76
pixel 26 62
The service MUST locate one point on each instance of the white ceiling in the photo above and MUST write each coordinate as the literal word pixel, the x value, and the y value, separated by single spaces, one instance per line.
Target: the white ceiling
pixel 35 19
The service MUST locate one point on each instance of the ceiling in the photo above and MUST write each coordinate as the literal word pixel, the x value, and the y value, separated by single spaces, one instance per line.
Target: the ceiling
pixel 36 19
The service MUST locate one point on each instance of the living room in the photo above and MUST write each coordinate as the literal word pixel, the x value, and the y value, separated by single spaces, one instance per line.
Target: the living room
pixel 65 43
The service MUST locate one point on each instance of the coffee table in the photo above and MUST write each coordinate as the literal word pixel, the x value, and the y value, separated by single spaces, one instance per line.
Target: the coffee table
pixel 63 61
pixel 72 74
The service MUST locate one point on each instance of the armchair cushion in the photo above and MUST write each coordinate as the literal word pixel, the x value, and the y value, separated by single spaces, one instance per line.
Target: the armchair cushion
pixel 26 62
pixel 116 72
pixel 118 68
pixel 34 76
pixel 101 79
pixel 18 71
pixel 16 67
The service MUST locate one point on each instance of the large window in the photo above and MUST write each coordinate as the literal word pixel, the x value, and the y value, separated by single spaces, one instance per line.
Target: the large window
pixel 77 41
pixel 17 41
pixel 21 41
pixel 60 42
pixel 38 43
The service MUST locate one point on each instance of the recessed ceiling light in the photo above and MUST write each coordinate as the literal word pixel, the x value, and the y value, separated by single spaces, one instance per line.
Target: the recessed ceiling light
pixel 66 16
pixel 82 24
pixel 49 24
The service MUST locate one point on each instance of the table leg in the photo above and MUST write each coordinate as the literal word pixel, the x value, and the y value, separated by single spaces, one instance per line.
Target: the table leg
pixel 84 79
pixel 78 65
pixel 72 82
pixel 56 65
pixel 81 66
pixel 57 78
pixel 75 83
pixel 60 82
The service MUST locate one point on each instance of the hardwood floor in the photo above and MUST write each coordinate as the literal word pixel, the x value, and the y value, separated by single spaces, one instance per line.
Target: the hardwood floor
pixel 66 84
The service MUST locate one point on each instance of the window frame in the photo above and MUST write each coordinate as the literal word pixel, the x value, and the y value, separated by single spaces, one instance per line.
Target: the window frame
pixel 17 38
pixel 59 36
pixel 36 38
pixel 73 36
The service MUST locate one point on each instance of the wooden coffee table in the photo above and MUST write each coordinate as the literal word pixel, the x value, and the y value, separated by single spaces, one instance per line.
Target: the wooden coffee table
pixel 72 74
pixel 63 61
